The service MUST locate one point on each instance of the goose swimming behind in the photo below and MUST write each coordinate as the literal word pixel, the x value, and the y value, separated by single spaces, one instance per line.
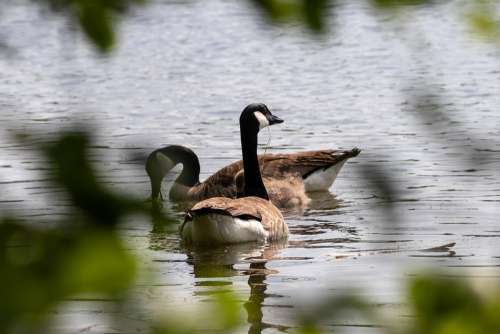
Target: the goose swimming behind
pixel 315 170
pixel 252 217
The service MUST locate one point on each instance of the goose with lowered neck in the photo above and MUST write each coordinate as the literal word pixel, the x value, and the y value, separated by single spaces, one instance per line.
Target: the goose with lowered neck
pixel 252 217
pixel 286 176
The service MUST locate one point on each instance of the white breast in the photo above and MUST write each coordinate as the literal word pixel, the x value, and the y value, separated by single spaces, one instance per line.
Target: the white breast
pixel 222 229
pixel 321 180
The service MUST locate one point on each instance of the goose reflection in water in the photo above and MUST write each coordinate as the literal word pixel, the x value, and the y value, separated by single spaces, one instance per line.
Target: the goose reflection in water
pixel 258 286
pixel 220 262
pixel 323 201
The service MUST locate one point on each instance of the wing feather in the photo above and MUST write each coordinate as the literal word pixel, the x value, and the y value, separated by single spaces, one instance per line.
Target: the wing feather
pixel 274 166
pixel 303 163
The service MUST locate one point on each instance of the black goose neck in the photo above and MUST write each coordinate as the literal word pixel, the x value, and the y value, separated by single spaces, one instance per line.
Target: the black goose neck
pixel 190 174
pixel 253 178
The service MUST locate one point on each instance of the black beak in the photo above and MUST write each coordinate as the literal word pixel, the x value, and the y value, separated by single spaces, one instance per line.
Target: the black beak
pixel 274 119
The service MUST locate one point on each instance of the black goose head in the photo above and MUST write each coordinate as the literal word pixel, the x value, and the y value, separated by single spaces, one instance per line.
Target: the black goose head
pixel 177 153
pixel 161 161
pixel 169 156
pixel 257 116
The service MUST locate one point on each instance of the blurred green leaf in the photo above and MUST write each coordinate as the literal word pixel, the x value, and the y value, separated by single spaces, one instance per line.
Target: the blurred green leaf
pixel 310 12
pixel 484 19
pixel 437 298
pixel 40 268
pixel 483 23
pixel 97 22
pixel 309 329
pixel 73 171
pixel 446 305
pixel 98 263
pixel 314 12
pixel 227 310
pixel 96 18
pixel 393 4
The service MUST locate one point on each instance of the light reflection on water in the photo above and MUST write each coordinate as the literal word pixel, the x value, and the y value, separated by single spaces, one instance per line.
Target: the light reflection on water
pixel 181 76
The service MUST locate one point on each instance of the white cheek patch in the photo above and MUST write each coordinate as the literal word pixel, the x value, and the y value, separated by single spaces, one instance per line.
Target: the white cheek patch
pixel 263 122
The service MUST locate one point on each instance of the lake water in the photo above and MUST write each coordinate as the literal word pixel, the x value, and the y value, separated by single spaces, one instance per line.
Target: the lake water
pixel 417 93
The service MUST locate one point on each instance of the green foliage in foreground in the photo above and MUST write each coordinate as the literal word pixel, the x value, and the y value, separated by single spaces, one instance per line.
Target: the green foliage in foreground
pixel 98 18
pixel 84 254
pixel 484 18
pixel 451 306
pixel 95 17
pixel 39 268
pixel 80 255
pixel 310 12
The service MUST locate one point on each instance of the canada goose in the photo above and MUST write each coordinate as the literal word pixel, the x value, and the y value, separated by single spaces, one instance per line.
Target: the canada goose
pixel 317 170
pixel 221 220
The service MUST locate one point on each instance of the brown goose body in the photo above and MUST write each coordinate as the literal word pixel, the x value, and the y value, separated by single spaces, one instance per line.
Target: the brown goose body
pixel 221 220
pixel 286 177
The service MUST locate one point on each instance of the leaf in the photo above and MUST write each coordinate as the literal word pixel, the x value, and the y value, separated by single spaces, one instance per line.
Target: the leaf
pixel 314 13
pixel 439 302
pixel 99 264
pixel 309 12
pixel 97 23
pixel 394 4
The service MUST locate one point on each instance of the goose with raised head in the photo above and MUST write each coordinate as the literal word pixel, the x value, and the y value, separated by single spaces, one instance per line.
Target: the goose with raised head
pixel 315 170
pixel 252 217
